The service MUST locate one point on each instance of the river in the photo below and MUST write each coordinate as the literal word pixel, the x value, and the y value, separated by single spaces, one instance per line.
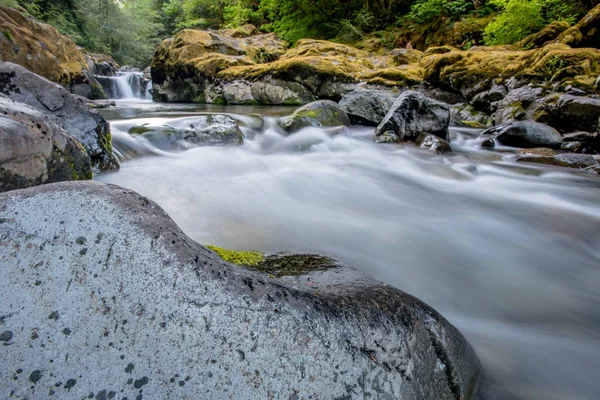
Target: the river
pixel 509 253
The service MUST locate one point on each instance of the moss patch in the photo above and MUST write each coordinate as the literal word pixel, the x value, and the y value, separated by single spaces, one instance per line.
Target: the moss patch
pixel 245 258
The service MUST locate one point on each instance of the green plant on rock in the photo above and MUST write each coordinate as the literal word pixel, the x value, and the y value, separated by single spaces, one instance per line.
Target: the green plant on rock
pixel 248 258
pixel 555 64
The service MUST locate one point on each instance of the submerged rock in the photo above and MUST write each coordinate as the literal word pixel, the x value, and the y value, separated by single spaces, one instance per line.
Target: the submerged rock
pixel 528 134
pixel 183 133
pixel 123 301
pixel 33 150
pixel 366 107
pixel 433 143
pixel 64 109
pixel 412 114
pixel 550 157
pixel 324 113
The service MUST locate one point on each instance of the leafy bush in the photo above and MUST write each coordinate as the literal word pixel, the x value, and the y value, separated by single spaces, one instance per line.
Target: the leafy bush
pixel 520 18
pixel 424 11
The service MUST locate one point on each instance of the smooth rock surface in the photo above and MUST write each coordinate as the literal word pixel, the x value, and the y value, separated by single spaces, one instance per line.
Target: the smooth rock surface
pixel 412 114
pixel 323 113
pixel 527 134
pixel 102 294
pixel 366 107
pixel 33 150
pixel 64 109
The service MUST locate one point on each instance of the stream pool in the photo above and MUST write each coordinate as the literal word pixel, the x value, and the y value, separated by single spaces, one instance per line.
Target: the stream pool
pixel 509 253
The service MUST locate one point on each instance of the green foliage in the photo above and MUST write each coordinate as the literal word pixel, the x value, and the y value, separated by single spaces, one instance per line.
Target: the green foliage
pixel 424 11
pixel 520 18
pixel 9 3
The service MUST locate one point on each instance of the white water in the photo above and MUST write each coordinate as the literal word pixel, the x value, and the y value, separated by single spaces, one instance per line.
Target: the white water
pixel 509 253
pixel 126 86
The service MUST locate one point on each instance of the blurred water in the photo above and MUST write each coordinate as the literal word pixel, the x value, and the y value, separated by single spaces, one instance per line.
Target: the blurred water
pixel 509 253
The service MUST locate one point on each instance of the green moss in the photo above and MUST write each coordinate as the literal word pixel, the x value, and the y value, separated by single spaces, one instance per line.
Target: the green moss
pixel 105 142
pixel 247 258
pixel 309 114
pixel 473 124
pixel 292 102
pixel 219 100
pixel 8 35
pixel 97 92
pixel 138 130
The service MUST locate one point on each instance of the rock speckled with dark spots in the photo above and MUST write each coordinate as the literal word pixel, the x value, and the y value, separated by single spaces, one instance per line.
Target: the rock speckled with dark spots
pixel 225 331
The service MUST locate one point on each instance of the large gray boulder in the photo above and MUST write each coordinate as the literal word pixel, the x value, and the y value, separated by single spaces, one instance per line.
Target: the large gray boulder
pixel 102 295
pixel 323 113
pixel 412 114
pixel 33 150
pixel 184 133
pixel 527 134
pixel 64 109
pixel 366 107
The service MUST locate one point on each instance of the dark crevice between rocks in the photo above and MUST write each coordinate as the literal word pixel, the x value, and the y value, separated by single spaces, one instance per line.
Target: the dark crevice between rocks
pixel 442 355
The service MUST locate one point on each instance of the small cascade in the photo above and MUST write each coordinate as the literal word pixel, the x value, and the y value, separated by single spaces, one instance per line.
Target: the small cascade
pixel 126 85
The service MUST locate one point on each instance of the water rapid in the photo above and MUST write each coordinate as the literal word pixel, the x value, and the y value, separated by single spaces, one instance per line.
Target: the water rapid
pixel 507 252
pixel 126 86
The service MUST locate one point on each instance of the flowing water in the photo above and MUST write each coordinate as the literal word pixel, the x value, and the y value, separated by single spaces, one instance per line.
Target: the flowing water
pixel 509 253
pixel 126 86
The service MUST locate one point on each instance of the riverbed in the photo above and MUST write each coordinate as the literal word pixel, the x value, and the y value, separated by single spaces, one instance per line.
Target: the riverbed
pixel 507 252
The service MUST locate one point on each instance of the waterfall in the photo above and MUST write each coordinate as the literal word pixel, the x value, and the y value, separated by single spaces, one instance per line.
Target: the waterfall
pixel 126 85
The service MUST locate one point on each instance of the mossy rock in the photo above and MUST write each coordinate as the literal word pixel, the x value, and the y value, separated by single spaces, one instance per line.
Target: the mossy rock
pixel 474 71
pixel 549 33
pixel 324 113
pixel 245 258
pixel 586 33
pixel 277 265
pixel 40 48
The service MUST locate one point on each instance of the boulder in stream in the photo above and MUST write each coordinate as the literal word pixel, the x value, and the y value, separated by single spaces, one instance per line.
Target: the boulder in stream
pixel 412 114
pixel 34 150
pixel 67 111
pixel 527 134
pixel 183 133
pixel 102 293
pixel 366 107
pixel 323 113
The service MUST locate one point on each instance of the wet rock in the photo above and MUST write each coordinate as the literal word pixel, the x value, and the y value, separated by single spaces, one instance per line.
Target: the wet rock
pixel 387 137
pixel 515 104
pixel 366 107
pixel 412 114
pixel 576 113
pixel 465 115
pixel 323 113
pixel 34 150
pixel 588 143
pixel 278 92
pixel 550 157
pixel 148 296
pixel 433 143
pixel 239 93
pixel 184 133
pixel 485 101
pixel 527 134
pixel 101 64
pixel 64 109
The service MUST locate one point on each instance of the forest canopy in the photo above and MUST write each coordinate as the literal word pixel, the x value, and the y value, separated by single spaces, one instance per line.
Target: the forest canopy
pixel 130 30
